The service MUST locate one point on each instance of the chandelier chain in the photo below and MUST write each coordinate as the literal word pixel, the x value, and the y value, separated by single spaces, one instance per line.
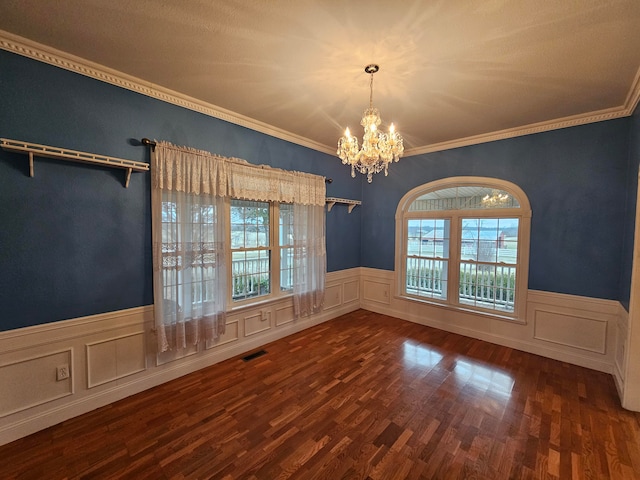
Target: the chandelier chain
pixel 371 91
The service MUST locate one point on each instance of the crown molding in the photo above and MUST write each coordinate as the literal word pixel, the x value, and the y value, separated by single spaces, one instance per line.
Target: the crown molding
pixel 28 48
pixel 556 124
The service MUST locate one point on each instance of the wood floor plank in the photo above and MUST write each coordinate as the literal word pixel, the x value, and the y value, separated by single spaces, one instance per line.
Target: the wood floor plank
pixel 364 396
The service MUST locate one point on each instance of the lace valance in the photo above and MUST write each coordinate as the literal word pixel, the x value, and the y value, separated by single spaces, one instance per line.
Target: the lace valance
pixel 184 169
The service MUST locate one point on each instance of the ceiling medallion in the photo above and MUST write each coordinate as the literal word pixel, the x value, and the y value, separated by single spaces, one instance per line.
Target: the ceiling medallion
pixel 378 149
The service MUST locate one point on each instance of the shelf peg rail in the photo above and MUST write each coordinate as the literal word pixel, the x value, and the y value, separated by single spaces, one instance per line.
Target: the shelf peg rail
pixel 34 149
pixel 331 201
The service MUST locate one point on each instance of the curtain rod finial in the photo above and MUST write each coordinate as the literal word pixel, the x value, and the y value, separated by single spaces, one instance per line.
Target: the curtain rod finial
pixel 148 143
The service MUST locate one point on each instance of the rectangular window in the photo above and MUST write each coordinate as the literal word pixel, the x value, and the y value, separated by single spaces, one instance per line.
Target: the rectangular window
pixel 488 262
pixel 428 257
pixel 213 254
pixel 250 249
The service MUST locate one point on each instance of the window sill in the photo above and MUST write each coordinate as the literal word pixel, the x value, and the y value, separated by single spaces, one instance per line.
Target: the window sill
pixel 258 303
pixel 465 309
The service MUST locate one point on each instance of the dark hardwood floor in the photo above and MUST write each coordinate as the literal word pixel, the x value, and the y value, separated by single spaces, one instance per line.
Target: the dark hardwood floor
pixel 362 396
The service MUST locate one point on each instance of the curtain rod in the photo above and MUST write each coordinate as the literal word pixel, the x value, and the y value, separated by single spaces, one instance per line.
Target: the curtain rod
pixel 150 143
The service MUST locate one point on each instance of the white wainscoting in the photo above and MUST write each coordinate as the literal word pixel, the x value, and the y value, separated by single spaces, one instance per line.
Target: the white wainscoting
pixel 113 355
pixel 578 330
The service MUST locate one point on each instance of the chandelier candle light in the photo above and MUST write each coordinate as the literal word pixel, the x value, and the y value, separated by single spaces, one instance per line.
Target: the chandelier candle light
pixel 378 149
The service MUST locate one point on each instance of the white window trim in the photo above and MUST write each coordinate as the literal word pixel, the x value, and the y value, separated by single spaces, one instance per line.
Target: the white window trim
pixel 524 233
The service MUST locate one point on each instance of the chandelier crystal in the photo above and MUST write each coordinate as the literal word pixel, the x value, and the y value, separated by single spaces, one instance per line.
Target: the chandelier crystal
pixel 379 149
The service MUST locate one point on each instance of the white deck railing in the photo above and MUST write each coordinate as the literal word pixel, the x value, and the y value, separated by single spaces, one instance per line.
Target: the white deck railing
pixel 484 285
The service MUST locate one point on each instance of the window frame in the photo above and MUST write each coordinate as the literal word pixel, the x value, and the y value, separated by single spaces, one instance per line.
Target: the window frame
pixel 274 248
pixel 452 302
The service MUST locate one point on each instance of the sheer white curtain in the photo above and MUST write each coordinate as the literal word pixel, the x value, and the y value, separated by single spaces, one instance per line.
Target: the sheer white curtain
pixel 309 259
pixel 188 197
pixel 189 265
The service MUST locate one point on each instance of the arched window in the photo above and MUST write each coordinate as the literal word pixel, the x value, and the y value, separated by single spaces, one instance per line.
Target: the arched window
pixel 463 242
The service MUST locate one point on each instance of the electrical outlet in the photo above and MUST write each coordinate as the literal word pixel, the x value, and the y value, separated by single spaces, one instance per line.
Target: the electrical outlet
pixel 62 372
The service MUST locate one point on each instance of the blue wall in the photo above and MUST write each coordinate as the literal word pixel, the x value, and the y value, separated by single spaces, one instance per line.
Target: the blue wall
pixel 630 211
pixel 575 179
pixel 74 241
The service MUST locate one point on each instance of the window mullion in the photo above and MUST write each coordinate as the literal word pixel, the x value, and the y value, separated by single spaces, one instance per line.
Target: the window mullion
pixel 274 243
pixel 453 271
pixel 227 249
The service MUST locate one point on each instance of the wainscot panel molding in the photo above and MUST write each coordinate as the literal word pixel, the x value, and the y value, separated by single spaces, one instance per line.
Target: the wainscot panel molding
pixel 569 328
pixel 115 358
pixel 113 355
pixel 41 385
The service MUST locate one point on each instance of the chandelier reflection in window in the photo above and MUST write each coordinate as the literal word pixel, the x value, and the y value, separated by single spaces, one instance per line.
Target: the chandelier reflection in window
pixel 379 149
pixel 496 199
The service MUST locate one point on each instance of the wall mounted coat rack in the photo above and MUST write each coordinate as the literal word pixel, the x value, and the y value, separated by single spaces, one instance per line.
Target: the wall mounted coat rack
pixel 34 149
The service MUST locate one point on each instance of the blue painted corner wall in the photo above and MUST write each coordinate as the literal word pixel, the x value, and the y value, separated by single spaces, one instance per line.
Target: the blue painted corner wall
pixel 576 181
pixel 630 209
pixel 75 242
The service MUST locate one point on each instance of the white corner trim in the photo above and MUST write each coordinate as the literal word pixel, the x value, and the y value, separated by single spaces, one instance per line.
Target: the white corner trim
pixel 28 48
pixel 37 51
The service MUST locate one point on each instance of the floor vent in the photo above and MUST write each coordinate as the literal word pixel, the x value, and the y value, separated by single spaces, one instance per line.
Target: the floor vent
pixel 253 355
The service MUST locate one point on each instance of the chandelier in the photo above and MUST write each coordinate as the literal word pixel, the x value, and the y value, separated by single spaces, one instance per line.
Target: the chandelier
pixel 378 149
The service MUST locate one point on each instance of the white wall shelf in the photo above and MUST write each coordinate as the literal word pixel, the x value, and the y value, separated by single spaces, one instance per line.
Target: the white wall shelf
pixel 34 149
pixel 331 201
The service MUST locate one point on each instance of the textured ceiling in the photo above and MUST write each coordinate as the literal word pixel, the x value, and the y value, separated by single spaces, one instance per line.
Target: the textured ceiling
pixel 449 70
